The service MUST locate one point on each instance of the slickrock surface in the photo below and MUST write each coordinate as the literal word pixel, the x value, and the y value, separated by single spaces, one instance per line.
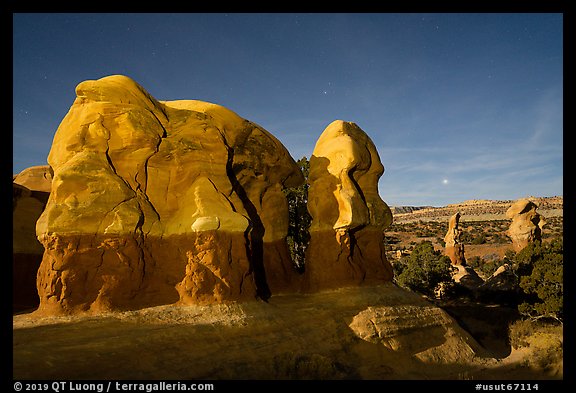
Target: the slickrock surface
pixel 348 216
pixel 381 332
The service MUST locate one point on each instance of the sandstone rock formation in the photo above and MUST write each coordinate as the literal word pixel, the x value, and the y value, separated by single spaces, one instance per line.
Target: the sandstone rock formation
pixel 527 224
pixel 467 277
pixel 30 191
pixel 348 216
pixel 156 202
pixel 36 178
pixel 454 248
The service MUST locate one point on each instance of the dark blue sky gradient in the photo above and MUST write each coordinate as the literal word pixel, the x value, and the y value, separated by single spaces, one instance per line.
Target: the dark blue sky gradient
pixel 460 106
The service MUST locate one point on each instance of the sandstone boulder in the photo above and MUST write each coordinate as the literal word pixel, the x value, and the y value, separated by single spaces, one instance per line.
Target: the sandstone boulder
pixel 503 279
pixel 527 224
pixel 467 277
pixel 454 248
pixel 348 216
pixel 155 202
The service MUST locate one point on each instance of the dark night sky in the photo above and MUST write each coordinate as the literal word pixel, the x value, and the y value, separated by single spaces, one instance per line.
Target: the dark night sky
pixel 460 106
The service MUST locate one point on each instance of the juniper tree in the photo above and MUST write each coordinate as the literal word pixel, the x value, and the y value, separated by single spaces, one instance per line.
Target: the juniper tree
pixel 540 268
pixel 423 269
pixel 299 218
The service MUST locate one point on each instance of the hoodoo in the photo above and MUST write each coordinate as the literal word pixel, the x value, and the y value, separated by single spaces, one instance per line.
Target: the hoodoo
pixel 348 216
pixel 454 248
pixel 527 224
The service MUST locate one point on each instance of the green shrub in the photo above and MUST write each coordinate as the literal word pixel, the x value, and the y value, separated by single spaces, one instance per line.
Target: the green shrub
pixel 499 239
pixel 423 269
pixel 299 218
pixel 475 262
pixel 540 268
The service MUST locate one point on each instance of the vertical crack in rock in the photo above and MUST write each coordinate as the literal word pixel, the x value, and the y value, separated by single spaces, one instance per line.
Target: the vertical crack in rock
pixel 254 234
pixel 157 149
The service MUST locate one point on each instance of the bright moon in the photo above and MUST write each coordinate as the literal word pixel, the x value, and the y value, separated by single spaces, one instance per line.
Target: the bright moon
pixel 445 181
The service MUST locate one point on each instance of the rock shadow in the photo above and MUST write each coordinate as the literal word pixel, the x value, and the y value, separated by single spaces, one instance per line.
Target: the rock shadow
pixel 488 324
pixel 254 234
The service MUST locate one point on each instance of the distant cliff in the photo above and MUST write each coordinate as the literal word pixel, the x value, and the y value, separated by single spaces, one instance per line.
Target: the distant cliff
pixel 408 209
pixel 476 209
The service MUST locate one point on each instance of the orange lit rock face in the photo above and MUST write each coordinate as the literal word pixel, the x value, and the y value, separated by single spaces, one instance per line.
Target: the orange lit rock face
pixel 348 215
pixel 454 248
pixel 527 224
pixel 158 202
pixel 35 178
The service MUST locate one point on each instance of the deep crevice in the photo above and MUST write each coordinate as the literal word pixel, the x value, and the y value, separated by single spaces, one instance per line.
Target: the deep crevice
pixel 254 234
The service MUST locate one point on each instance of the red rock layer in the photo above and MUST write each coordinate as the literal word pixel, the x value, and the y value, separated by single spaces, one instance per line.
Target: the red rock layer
pixel 98 274
pixel 280 272
pixel 356 258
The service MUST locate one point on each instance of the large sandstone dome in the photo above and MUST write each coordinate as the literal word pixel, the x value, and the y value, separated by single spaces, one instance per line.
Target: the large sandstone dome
pixel 157 202
pixel 182 202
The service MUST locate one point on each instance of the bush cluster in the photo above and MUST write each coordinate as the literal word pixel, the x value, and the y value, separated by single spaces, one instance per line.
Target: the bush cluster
pixel 540 269
pixel 298 217
pixel 423 270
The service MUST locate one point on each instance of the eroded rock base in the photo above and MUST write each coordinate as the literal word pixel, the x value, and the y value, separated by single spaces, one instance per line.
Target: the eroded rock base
pixel 99 274
pixel 355 258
